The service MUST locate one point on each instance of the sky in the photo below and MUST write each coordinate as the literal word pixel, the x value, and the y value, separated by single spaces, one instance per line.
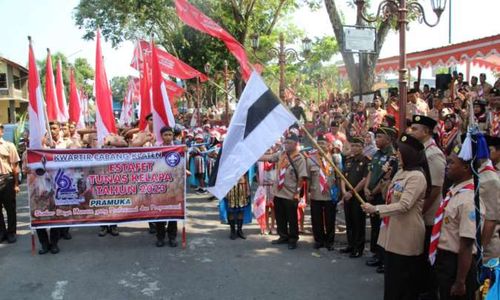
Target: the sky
pixel 50 25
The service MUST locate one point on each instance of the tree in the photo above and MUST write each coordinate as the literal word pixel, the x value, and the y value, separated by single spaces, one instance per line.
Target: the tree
pixel 119 86
pixel 369 61
pixel 84 75
pixel 130 20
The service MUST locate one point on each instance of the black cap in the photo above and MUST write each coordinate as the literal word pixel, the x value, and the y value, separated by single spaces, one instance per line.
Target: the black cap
pixel 293 137
pixel 493 141
pixel 480 102
pixel 424 120
pixel 334 124
pixel 407 139
pixel 320 138
pixel 356 140
pixel 389 131
pixel 165 129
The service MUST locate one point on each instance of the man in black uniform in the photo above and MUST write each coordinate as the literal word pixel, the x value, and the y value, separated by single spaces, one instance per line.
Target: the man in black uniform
pixel 356 170
pixel 384 141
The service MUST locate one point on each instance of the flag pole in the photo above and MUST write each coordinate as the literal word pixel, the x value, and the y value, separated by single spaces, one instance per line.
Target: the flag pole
pixel 321 152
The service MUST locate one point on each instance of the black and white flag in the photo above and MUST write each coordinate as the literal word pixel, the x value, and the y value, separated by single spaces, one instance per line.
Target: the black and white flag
pixel 258 122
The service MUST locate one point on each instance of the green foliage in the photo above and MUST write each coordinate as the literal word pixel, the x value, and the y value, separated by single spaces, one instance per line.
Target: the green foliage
pixel 119 85
pixel 21 125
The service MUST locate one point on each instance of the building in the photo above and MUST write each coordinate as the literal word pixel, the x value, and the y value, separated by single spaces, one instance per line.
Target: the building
pixel 13 90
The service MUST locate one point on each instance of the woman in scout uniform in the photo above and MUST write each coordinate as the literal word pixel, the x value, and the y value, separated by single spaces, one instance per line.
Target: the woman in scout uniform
pixel 402 232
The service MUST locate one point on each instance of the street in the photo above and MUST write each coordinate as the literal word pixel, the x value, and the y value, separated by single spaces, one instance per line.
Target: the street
pixel 212 266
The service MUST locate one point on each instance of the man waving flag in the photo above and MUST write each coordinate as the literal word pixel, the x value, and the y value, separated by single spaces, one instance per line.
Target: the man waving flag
pixel 259 120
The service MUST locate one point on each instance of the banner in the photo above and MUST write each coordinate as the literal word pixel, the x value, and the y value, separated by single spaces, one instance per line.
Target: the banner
pixel 89 187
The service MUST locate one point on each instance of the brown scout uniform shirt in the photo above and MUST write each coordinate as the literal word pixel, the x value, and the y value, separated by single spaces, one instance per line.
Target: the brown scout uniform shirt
pixel 489 191
pixel 459 219
pixel 405 233
pixel 315 187
pixel 291 185
pixel 437 165
pixel 8 156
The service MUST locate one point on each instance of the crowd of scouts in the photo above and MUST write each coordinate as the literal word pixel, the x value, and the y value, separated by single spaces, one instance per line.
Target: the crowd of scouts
pixel 417 192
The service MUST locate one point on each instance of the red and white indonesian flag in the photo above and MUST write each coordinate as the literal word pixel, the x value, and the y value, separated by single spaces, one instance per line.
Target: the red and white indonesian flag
pixel 36 111
pixel 145 103
pixel 196 19
pixel 105 121
pixel 61 98
pixel 75 106
pixel 169 64
pixel 50 90
pixel 259 120
pixel 127 106
pixel 161 109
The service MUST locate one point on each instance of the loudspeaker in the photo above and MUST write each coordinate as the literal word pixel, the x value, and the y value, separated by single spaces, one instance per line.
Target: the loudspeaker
pixel 442 81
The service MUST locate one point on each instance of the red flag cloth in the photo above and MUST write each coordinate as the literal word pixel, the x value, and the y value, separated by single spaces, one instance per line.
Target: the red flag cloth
pixel 105 121
pixel 196 19
pixel 36 111
pixel 75 110
pixel 61 98
pixel 174 91
pixel 161 109
pixel 145 97
pixel 169 64
pixel 50 91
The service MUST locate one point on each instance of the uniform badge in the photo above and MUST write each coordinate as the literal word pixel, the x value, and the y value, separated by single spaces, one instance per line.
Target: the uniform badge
pixel 472 215
pixel 383 158
pixel 417 118
pixel 446 220
pixel 403 139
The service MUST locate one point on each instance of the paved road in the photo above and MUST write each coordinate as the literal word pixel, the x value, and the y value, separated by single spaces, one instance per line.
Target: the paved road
pixel 211 267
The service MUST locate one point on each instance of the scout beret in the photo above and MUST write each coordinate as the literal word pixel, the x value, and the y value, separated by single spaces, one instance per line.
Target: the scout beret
pixel 334 124
pixel 424 120
pixel 493 141
pixel 292 137
pixel 411 141
pixel 389 131
pixel 320 138
pixel 356 140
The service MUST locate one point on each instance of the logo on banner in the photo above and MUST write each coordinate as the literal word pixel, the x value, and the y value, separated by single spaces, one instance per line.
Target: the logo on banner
pixel 66 190
pixel 172 159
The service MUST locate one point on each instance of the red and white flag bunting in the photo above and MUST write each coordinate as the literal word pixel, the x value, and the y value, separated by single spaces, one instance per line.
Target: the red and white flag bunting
pixel 75 106
pixel 145 104
pixel 37 121
pixel 161 109
pixel 105 121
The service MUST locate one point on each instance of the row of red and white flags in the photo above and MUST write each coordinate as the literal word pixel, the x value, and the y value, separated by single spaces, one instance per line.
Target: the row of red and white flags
pixel 156 93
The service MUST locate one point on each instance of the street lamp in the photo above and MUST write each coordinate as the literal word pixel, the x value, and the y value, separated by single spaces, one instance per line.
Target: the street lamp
pixel 283 54
pixel 225 74
pixel 389 8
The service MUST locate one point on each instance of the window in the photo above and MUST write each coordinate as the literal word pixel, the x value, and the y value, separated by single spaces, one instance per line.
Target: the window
pixel 17 82
pixel 3 81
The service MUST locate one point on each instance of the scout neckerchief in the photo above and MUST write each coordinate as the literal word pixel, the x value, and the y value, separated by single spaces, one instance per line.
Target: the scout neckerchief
pixel 495 124
pixel 324 170
pixel 487 167
pixel 283 164
pixel 395 187
pixel 449 136
pixel 438 221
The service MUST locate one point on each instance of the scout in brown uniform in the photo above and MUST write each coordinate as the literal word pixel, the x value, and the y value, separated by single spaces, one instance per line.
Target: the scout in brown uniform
pixel 454 266
pixel 489 191
pixel 403 230
pixel 356 170
pixel 421 129
pixel 323 209
pixel 291 174
pixel 9 187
